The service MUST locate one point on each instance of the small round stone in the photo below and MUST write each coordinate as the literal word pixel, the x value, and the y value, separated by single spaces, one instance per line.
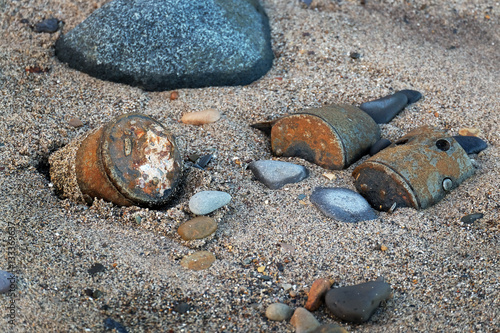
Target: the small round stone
pixel 304 321
pixel 198 260
pixel 471 218
pixel 197 228
pixel 279 312
pixel 205 202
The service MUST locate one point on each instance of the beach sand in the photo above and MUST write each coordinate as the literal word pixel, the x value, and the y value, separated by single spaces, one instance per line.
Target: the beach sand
pixel 444 274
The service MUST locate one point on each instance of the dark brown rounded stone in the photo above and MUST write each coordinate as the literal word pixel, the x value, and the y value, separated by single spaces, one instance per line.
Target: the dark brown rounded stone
pixel 197 228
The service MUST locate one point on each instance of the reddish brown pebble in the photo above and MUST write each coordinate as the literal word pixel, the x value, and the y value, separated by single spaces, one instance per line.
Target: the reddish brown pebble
pixel 317 294
pixel 201 117
pixel 75 122
pixel 198 260
pixel 197 228
pixel 174 95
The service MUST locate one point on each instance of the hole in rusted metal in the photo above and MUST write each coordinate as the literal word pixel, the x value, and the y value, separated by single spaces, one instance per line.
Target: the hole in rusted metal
pixel 443 144
pixel 401 142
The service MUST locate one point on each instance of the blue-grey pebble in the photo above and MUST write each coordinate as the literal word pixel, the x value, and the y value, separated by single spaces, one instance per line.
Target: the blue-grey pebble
pixel 357 303
pixel 412 95
pixel 384 109
pixel 6 279
pixel 342 204
pixel 275 174
pixel 471 144
pixel 48 25
pixel 169 44
pixel 205 202
pixel 279 312
pixel 379 145
pixel 471 218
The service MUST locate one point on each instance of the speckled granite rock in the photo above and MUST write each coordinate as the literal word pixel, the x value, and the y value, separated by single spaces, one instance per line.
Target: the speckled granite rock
pixel 167 44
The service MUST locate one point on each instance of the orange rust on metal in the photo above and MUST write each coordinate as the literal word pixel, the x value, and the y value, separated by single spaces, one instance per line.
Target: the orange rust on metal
pixel 131 160
pixel 333 136
pixel 90 174
pixel 141 158
pixel 415 171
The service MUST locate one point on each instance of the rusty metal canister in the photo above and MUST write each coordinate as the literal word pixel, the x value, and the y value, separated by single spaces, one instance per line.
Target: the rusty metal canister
pixel 416 171
pixel 333 136
pixel 132 160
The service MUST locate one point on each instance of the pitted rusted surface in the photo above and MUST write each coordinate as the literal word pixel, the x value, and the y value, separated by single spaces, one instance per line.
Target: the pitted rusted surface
pixel 333 136
pixel 90 174
pixel 141 159
pixel 411 172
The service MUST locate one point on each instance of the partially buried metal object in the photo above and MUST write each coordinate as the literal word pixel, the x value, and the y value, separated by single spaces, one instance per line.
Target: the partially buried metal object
pixel 133 160
pixel 416 171
pixel 333 136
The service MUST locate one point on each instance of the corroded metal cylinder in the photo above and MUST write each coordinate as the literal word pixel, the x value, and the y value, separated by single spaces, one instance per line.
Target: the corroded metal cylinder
pixel 333 136
pixel 416 171
pixel 133 160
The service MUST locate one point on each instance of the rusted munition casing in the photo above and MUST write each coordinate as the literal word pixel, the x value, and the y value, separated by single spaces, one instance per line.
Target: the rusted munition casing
pixel 416 171
pixel 333 136
pixel 133 160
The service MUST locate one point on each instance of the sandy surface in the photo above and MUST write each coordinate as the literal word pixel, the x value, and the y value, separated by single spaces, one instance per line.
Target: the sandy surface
pixel 445 275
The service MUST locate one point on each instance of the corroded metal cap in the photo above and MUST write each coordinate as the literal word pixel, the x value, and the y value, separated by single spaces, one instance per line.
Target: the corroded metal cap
pixel 132 160
pixel 333 136
pixel 416 171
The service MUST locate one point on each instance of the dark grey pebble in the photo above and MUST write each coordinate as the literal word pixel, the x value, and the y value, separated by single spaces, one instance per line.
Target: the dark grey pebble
pixel 111 324
pixel 357 303
pixel 301 196
pixel 412 95
pixel 354 55
pixel 182 307
pixel 49 25
pixel 203 161
pixel 168 44
pixel 471 218
pixel 275 174
pixel 6 279
pixel 96 268
pixel 471 144
pixel 384 109
pixel 379 145
pixel 342 204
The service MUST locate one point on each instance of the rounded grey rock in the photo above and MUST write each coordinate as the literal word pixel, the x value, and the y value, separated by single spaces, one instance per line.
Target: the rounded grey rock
pixel 279 312
pixel 205 202
pixel 342 204
pixel 357 303
pixel 169 44
pixel 276 174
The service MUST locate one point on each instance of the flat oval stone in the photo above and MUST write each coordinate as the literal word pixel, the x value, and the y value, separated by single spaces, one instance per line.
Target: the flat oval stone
pixel 6 279
pixel 48 25
pixel 206 202
pixel 384 109
pixel 201 117
pixel 342 204
pixel 379 145
pixel 471 218
pixel 304 321
pixel 357 303
pixel 197 228
pixel 329 328
pixel 198 260
pixel 279 312
pixel 275 174
pixel 471 144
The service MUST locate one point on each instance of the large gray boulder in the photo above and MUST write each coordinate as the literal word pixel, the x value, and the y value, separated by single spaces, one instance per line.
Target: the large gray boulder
pixel 169 44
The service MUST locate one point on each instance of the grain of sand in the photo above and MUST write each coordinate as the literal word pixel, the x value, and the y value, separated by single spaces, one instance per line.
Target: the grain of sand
pixel 445 275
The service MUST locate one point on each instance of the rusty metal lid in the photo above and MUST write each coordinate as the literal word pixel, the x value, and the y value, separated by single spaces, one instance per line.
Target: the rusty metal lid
pixel 141 159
